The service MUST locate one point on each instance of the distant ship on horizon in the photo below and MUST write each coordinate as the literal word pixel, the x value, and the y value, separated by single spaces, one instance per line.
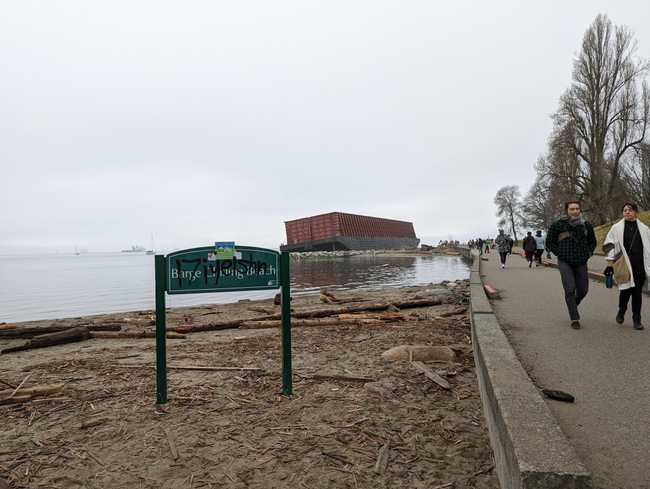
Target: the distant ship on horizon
pixel 135 249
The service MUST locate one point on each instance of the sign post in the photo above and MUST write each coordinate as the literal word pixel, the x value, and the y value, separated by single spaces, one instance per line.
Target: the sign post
pixel 222 268
pixel 287 385
pixel 161 332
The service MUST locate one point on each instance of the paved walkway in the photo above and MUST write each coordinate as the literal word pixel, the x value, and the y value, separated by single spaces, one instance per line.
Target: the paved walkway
pixel 604 365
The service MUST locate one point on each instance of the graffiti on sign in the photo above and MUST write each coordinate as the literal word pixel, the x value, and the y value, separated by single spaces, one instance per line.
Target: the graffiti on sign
pixel 199 270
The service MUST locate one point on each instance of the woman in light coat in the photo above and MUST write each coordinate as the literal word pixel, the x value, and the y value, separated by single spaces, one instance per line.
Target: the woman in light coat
pixel 631 238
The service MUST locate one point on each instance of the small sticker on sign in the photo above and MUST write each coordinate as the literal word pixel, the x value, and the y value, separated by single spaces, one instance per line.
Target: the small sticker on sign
pixel 224 250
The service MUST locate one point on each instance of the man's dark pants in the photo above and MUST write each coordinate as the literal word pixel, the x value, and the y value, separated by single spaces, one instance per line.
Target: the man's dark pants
pixel 575 280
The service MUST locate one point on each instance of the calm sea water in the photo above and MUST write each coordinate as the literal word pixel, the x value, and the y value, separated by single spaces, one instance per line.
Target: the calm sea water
pixel 57 286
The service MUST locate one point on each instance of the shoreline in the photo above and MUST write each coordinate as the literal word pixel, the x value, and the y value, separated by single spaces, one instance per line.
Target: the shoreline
pixel 357 418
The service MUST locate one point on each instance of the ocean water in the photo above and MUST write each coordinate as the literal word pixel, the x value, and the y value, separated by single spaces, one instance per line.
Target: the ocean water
pixel 68 285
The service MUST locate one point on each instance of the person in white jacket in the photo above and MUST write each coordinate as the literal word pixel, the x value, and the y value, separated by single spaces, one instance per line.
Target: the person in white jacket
pixel 631 238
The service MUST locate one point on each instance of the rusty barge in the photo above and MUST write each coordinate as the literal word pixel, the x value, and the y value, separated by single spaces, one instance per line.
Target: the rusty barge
pixel 341 231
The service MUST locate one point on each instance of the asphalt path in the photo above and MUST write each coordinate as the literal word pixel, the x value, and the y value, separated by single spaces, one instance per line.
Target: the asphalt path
pixel 606 366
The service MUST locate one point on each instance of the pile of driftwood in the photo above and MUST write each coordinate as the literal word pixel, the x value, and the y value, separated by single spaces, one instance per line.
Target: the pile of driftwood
pixel 360 314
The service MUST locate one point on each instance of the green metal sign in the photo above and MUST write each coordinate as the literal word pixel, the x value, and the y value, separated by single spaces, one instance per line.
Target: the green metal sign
pixel 204 270
pixel 221 268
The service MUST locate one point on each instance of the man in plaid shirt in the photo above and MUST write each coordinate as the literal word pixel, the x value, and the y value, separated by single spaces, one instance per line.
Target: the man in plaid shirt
pixel 573 241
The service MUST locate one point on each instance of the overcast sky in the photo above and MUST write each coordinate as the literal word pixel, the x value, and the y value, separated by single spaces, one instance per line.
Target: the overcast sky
pixel 211 121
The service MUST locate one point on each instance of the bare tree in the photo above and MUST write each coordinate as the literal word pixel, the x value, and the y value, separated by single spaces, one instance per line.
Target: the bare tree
pixel 536 206
pixel 508 202
pixel 607 108
pixel 637 176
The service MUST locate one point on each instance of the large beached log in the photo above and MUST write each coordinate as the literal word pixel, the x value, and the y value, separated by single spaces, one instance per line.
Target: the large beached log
pixel 308 323
pixel 214 326
pixel 31 332
pixel 108 335
pixel 70 335
pixel 380 306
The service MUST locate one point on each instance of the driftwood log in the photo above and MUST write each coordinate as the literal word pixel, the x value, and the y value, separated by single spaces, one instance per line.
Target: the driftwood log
pixel 70 335
pixel 31 332
pixel 108 335
pixel 335 311
pixel 307 323
pixel 28 393
pixel 214 326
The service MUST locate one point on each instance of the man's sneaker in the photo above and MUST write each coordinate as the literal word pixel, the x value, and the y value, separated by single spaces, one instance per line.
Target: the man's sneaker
pixel 620 317
pixel 575 324
pixel 503 266
pixel 638 325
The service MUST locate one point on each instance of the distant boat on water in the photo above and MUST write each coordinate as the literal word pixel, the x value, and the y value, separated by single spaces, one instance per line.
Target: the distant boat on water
pixel 151 251
pixel 135 249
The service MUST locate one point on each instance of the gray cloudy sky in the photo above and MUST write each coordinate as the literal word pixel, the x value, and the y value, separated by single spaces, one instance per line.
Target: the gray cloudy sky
pixel 200 121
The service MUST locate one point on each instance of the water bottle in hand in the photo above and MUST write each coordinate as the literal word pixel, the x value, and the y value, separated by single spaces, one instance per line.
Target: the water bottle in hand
pixel 609 277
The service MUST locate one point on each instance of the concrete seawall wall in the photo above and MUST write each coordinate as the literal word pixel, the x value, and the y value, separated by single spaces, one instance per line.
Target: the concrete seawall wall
pixel 530 450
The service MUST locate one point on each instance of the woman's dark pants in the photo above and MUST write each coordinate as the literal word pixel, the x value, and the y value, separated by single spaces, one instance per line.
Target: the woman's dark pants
pixel 636 293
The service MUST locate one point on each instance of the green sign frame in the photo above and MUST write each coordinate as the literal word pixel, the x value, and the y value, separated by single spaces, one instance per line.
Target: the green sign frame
pixel 200 270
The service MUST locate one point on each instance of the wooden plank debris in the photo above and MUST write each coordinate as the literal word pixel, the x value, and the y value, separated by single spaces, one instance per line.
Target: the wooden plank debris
pixel 25 394
pixel 430 374
pixel 382 459
pixel 172 444
pixel 93 422
pixel 343 378
pixel 196 367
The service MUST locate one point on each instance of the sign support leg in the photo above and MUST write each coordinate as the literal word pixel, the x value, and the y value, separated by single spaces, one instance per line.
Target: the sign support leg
pixel 287 385
pixel 161 332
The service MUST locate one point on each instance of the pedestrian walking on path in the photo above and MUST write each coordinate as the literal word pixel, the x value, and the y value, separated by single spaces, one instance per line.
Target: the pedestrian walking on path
pixel 629 240
pixel 503 246
pixel 541 246
pixel 573 241
pixel 530 248
pixel 487 246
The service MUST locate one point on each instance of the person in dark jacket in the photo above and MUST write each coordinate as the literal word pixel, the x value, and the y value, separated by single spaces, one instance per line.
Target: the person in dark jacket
pixel 530 248
pixel 502 242
pixel 573 241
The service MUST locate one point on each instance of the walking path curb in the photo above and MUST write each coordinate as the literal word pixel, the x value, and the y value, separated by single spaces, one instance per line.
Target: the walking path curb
pixel 530 450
